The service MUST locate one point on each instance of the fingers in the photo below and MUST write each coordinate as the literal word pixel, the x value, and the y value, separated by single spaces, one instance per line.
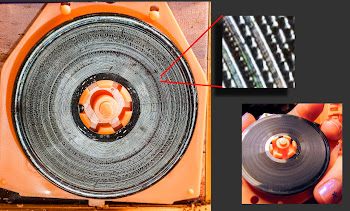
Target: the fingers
pixel 332 129
pixel 309 111
pixel 335 149
pixel 329 189
pixel 247 119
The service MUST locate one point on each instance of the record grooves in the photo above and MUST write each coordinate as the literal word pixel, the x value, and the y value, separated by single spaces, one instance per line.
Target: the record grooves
pixel 77 53
pixel 284 176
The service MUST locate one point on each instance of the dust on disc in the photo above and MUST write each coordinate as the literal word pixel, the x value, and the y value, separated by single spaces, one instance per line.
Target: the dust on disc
pixel 78 53
pixel 284 176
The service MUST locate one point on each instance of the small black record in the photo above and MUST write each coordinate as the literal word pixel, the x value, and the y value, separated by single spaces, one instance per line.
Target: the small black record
pixel 284 176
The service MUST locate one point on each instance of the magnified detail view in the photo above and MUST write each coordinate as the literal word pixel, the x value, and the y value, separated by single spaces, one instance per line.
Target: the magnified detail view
pixel 258 52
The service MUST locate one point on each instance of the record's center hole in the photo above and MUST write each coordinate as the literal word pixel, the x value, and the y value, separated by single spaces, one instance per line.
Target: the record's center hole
pixel 107 107
pixel 283 147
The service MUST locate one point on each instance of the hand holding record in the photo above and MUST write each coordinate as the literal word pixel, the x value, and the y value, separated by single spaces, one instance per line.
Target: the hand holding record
pixel 328 189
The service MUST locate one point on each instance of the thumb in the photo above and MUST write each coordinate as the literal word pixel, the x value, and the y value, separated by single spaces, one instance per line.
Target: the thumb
pixel 329 189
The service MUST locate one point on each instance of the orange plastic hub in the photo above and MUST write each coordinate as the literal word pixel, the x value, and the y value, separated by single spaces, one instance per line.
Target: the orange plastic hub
pixel 283 147
pixel 107 107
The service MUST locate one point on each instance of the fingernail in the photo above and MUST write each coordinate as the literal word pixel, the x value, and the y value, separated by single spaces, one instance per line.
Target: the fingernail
pixel 331 192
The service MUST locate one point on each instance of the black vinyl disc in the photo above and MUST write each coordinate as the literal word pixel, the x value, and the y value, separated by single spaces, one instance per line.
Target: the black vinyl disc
pixel 284 176
pixel 46 109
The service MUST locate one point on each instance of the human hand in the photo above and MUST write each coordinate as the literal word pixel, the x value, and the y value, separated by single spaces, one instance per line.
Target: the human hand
pixel 329 188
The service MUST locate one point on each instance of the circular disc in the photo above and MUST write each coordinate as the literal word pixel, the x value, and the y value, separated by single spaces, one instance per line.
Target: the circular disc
pixel 46 110
pixel 284 176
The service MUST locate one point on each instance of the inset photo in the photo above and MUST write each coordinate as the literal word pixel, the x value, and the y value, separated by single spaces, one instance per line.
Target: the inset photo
pixel 292 153
pixel 258 52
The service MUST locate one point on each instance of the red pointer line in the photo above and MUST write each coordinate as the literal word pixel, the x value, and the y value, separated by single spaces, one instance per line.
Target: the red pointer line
pixel 190 46
pixel 173 82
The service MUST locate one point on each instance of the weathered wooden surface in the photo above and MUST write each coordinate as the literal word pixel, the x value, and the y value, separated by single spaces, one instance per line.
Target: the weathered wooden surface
pixel 14 21
pixel 193 18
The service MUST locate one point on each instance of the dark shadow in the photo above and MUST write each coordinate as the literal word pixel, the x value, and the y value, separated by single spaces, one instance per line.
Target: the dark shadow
pixel 258 109
pixel 250 91
pixel 216 53
pixel 10 197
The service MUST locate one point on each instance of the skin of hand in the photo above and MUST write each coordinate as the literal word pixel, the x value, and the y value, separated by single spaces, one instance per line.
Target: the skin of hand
pixel 329 188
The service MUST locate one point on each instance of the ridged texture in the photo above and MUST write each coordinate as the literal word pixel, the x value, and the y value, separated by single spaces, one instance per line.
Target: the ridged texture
pixel 284 176
pixel 263 49
pixel 76 54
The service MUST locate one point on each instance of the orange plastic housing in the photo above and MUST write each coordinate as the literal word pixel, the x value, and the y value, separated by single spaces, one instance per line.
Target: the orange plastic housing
pixel 16 172
pixel 251 195
pixel 331 111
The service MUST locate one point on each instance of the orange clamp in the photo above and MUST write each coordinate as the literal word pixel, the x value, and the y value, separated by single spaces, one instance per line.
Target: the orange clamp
pixel 107 107
pixel 283 147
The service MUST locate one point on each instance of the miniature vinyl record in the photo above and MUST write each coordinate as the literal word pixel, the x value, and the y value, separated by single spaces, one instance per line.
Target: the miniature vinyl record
pixel 289 175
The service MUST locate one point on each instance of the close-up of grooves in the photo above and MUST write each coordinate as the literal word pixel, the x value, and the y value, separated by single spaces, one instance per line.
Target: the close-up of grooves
pixel 258 52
